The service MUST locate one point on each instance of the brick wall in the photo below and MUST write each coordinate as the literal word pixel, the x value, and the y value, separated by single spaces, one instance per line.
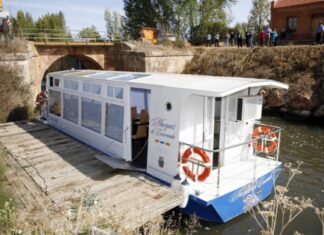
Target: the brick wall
pixel 308 17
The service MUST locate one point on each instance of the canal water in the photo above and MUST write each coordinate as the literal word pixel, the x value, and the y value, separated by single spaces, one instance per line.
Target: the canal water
pixel 299 142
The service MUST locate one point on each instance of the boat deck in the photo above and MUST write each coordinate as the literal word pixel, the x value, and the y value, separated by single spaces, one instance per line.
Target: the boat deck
pixel 234 176
pixel 71 177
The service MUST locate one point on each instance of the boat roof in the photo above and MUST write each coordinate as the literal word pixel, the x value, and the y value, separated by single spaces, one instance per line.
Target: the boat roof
pixel 208 85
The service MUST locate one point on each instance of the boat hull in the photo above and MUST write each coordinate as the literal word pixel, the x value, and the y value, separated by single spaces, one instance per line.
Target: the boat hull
pixel 228 206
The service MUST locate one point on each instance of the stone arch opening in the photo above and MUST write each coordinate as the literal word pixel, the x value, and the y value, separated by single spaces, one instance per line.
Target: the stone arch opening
pixel 70 62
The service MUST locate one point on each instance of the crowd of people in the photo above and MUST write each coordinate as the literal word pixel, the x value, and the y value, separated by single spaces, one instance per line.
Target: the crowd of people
pixel 266 37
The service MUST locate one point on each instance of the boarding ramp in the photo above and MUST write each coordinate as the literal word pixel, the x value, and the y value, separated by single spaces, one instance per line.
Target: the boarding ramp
pixel 67 172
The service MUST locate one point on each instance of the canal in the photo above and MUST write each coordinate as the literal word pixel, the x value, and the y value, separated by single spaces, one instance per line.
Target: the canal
pixel 300 142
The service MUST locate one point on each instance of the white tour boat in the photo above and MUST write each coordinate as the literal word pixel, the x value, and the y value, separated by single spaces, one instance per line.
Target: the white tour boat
pixel 198 134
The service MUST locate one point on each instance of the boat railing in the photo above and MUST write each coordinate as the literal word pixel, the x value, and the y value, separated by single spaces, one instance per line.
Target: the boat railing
pixel 267 134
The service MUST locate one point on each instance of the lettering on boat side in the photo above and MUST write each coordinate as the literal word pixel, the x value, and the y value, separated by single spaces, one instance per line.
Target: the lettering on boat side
pixel 249 188
pixel 162 128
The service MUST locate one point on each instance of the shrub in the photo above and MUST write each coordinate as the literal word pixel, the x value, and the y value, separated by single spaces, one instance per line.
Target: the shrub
pixel 15 99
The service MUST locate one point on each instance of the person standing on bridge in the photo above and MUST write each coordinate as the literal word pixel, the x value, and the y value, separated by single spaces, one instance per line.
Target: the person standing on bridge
pixel 319 31
pixel 208 39
pixel 216 37
pixel 7 28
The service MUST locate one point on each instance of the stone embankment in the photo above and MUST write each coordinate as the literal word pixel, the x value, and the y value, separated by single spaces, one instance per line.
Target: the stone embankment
pixel 302 67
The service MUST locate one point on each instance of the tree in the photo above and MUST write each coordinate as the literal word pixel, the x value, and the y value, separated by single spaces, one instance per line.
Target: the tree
pixel 259 15
pixel 90 32
pixel 114 25
pixel 181 17
pixel 52 26
pixel 240 27
pixel 23 22
pixel 139 14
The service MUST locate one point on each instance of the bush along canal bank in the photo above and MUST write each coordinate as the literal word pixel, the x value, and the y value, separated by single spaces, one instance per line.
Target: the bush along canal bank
pixel 302 67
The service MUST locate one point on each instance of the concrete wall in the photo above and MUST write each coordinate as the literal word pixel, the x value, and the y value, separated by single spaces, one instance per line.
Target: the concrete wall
pixel 307 15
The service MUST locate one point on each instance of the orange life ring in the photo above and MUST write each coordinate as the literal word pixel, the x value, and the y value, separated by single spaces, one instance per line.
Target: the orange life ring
pixel 207 164
pixel 265 131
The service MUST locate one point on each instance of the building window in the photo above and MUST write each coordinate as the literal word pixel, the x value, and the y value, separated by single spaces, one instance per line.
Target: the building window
pixel 292 24
pixel 114 122
pixel 91 114
pixel 71 108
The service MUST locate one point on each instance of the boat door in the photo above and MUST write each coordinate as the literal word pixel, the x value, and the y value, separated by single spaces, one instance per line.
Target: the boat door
pixel 197 122
pixel 140 116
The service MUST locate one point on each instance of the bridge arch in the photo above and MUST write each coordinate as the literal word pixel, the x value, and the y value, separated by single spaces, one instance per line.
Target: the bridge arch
pixel 66 62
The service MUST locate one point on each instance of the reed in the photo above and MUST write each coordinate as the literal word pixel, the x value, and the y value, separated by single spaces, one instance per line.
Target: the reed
pixel 274 216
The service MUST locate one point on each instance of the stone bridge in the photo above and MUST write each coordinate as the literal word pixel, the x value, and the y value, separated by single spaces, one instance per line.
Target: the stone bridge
pixel 43 58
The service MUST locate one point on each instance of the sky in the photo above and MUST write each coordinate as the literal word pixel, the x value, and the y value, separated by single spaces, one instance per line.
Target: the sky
pixel 84 13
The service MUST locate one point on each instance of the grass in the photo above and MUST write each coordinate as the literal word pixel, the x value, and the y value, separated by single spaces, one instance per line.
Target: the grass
pixel 302 67
pixel 14 46
pixel 3 196
pixel 275 215
pixel 16 98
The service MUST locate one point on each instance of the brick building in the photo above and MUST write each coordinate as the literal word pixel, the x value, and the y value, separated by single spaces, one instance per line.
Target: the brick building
pixel 297 19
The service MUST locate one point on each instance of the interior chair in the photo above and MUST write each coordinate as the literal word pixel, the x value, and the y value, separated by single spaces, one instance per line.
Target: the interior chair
pixel 141 132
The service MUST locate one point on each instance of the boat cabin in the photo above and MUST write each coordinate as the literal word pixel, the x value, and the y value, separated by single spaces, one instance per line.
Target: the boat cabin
pixel 147 119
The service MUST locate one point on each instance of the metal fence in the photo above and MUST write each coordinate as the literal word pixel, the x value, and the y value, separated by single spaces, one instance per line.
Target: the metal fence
pixel 66 36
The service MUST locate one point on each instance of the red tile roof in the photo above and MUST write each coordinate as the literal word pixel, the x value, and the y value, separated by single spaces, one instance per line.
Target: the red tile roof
pixel 289 3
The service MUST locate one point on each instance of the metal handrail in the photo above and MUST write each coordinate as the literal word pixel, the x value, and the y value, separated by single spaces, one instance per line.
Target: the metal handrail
pixel 277 130
pixel 229 147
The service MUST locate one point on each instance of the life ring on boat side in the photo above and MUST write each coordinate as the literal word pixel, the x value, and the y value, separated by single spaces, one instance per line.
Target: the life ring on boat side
pixel 206 164
pixel 265 131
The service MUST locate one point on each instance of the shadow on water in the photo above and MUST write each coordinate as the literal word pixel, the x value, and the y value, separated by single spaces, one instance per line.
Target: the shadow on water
pixel 300 141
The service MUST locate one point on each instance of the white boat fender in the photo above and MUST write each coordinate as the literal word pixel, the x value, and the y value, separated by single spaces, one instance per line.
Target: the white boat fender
pixel 176 183
pixel 186 191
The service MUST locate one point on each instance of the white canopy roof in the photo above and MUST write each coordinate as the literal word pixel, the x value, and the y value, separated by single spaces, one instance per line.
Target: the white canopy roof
pixel 208 85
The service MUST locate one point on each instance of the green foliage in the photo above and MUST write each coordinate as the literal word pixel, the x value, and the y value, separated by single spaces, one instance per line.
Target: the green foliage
pixel 259 15
pixel 139 14
pixel 90 32
pixel 240 27
pixel 54 23
pixel 114 25
pixel 23 21
pixel 3 196
pixel 189 19
pixel 15 95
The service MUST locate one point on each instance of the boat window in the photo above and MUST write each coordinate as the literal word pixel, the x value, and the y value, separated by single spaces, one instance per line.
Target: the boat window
pixel 71 107
pixel 72 85
pixel 114 122
pixel 86 87
pixel 140 99
pixel 91 114
pixel 96 89
pixel 51 81
pixel 110 91
pixel 57 82
pixel 119 93
pixel 55 102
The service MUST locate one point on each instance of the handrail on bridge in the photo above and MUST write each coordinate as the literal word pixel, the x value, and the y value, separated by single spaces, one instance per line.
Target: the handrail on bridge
pixel 64 35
